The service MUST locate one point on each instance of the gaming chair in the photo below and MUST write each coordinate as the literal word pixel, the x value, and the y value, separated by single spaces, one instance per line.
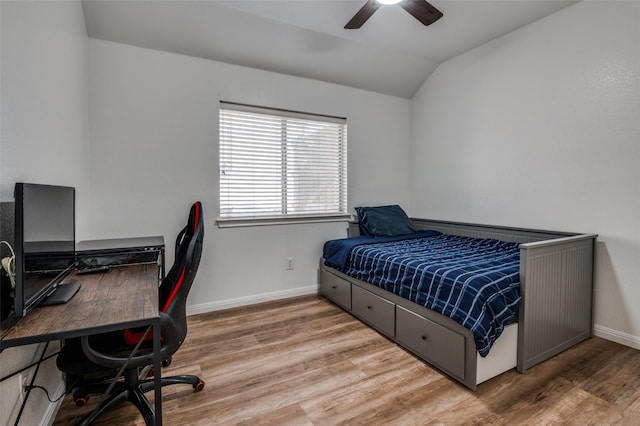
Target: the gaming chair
pixel 108 352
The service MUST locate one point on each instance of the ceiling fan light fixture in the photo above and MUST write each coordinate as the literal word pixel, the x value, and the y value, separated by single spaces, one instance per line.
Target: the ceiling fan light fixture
pixel 422 10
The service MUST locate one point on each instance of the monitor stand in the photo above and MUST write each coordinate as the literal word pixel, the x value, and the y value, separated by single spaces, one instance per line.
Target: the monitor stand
pixel 62 294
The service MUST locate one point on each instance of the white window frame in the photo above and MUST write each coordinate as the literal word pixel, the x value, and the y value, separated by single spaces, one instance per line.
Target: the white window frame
pixel 280 207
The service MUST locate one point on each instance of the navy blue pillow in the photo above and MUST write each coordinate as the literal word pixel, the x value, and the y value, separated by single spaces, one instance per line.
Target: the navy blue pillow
pixel 384 221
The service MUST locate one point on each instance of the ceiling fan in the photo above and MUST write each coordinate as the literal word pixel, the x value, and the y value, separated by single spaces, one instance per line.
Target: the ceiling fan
pixel 420 9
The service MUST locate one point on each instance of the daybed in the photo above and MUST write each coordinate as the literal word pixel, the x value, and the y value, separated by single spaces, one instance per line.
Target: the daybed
pixel 555 310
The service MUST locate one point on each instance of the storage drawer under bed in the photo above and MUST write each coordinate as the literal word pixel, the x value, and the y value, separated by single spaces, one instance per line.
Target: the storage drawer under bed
pixel 431 341
pixel 336 289
pixel 375 310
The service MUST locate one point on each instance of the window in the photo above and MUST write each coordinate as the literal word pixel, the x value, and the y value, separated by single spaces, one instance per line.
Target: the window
pixel 277 164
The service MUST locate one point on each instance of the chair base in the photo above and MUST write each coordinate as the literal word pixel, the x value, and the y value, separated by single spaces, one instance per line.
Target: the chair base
pixel 131 390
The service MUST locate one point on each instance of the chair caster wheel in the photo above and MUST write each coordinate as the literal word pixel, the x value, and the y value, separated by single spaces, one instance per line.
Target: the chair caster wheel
pixel 166 362
pixel 199 386
pixel 81 401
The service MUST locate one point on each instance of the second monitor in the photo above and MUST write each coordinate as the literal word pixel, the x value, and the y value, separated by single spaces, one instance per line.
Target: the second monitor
pixel 44 245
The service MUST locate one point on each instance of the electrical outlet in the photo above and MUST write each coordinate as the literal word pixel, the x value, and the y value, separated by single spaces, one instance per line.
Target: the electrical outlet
pixel 289 263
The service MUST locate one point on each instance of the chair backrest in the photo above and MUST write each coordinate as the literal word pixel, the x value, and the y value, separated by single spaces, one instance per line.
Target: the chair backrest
pixel 177 283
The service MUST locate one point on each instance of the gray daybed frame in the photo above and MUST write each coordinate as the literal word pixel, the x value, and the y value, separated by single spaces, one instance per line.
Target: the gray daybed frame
pixel 556 283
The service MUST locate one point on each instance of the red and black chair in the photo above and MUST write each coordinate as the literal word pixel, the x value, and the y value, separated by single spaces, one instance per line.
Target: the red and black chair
pixel 108 352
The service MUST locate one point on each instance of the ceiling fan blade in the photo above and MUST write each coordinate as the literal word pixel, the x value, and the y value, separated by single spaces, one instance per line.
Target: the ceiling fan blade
pixel 421 10
pixel 363 14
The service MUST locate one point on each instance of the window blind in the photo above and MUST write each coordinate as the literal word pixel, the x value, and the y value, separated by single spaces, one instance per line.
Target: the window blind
pixel 279 164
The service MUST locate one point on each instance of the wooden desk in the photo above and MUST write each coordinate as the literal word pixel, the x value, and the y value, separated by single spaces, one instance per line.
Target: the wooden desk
pixel 123 297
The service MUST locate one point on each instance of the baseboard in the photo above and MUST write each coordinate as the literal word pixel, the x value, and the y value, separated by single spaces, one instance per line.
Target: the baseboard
pixel 617 336
pixel 52 411
pixel 250 300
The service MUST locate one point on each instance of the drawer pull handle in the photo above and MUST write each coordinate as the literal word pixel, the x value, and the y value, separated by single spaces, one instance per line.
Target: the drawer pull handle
pixel 369 307
pixel 334 287
pixel 424 337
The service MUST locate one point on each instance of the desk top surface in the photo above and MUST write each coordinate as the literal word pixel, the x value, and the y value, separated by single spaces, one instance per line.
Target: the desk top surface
pixel 123 297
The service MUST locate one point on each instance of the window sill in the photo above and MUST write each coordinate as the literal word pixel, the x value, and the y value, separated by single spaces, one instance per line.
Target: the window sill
pixel 225 222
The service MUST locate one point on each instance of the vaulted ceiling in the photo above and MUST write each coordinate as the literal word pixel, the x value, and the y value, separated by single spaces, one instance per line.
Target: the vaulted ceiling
pixel 392 53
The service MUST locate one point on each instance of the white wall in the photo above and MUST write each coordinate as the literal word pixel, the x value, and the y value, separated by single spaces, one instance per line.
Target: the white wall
pixel 44 97
pixel 154 150
pixel 44 100
pixel 541 129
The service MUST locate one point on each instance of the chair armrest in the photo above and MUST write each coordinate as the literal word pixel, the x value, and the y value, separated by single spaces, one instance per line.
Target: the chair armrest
pixel 117 360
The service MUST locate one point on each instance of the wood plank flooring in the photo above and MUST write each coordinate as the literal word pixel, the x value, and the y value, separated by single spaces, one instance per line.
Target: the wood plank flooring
pixel 304 361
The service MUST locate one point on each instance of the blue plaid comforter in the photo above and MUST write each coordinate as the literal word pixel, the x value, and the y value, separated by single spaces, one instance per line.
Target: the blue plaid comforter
pixel 476 282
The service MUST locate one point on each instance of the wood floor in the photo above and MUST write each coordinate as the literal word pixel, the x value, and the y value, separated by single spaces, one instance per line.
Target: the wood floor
pixel 304 361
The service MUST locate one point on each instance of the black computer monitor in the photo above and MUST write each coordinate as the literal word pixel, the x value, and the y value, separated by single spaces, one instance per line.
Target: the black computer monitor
pixel 44 245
